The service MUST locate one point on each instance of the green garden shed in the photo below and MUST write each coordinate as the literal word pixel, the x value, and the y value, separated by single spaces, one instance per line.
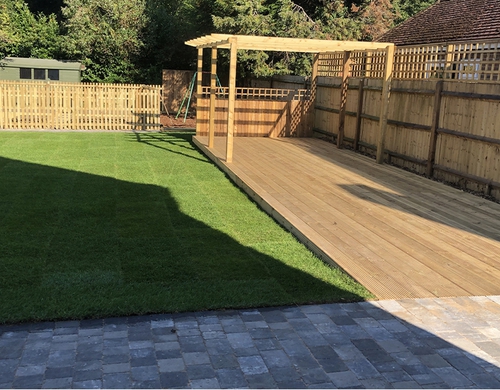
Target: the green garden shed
pixel 15 68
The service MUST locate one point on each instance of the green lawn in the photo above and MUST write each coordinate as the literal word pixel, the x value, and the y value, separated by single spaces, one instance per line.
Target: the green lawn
pixel 109 224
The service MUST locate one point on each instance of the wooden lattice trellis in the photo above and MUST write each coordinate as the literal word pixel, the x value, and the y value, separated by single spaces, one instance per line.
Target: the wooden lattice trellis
pixel 463 61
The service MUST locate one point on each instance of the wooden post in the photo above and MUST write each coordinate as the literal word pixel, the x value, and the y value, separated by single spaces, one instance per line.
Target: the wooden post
pixel 343 97
pixel 199 79
pixel 434 127
pixel 359 112
pixel 312 97
pixel 386 93
pixel 232 97
pixel 213 78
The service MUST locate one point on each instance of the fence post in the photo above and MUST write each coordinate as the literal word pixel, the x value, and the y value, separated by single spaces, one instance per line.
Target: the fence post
pixel 434 127
pixel 343 97
pixel 386 92
pixel 359 112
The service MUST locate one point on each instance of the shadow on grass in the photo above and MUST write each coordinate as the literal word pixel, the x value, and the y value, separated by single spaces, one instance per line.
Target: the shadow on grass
pixel 166 142
pixel 77 245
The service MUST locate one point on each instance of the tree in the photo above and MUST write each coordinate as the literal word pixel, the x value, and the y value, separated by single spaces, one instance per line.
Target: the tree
pixel 106 35
pixel 23 34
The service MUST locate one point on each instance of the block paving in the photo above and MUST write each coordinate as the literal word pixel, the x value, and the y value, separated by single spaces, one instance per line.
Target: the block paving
pixel 414 343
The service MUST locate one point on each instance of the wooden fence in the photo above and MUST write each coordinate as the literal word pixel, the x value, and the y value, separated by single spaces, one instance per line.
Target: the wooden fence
pixel 175 87
pixel 77 106
pixel 443 129
pixel 259 112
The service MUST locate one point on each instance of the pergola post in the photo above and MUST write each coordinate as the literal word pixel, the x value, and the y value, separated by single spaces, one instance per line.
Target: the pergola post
pixel 233 47
pixel 386 91
pixel 199 74
pixel 213 78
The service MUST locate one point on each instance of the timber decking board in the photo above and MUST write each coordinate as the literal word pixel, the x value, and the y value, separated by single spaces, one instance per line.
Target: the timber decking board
pixel 400 235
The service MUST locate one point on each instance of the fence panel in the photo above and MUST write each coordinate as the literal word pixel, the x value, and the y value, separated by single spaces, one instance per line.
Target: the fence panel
pixel 73 106
pixel 259 112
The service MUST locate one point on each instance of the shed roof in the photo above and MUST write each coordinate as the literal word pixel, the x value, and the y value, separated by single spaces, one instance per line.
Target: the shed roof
pixel 20 62
pixel 248 42
pixel 449 21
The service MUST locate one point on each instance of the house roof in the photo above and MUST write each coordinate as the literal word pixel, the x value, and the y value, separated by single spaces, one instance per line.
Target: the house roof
pixel 19 62
pixel 449 21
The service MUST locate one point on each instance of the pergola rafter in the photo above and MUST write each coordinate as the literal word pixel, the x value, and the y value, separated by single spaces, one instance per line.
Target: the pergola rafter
pixel 299 45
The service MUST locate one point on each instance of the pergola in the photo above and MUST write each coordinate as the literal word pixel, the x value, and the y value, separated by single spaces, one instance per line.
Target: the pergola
pixel 314 46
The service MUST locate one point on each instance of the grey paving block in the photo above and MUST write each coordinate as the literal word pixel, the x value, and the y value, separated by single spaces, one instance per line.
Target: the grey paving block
pixel 116 381
pixel 452 377
pixel 323 352
pixel 261 333
pixel 28 382
pixel 238 352
pixel 86 375
pixel 171 365
pixel 332 365
pixel 240 340
pixel 485 381
pixel 224 361
pixel 464 365
pixel 30 370
pixel 252 365
pixel 144 373
pixel 276 358
pixel 230 378
pixel 297 384
pixel 90 384
pixel 314 340
pixel 59 383
pixel 376 384
pixel 362 368
pixel 59 372
pixel 61 358
pixel 218 347
pixel 397 376
pixel 166 346
pixel 114 359
pixel 433 361
pixel 303 362
pixel 88 365
pixel 236 328
pixel 427 379
pixel 211 383
pixel 172 354
pixel 173 379
pixel 200 371
pixel 141 344
pixel 344 380
pixel 115 368
pixel 266 344
pixel 285 374
pixel 192 344
pixel 294 347
pixel 195 358
pixel 261 381
pixel 392 346
pixel 407 385
pixel 272 315
pixel 314 375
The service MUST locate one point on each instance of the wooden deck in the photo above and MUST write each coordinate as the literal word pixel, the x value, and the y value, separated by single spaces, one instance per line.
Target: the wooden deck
pixel 400 235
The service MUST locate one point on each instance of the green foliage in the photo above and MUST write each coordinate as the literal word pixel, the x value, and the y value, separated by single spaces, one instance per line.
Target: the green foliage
pixel 106 35
pixel 133 40
pixel 408 8
pixel 23 34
